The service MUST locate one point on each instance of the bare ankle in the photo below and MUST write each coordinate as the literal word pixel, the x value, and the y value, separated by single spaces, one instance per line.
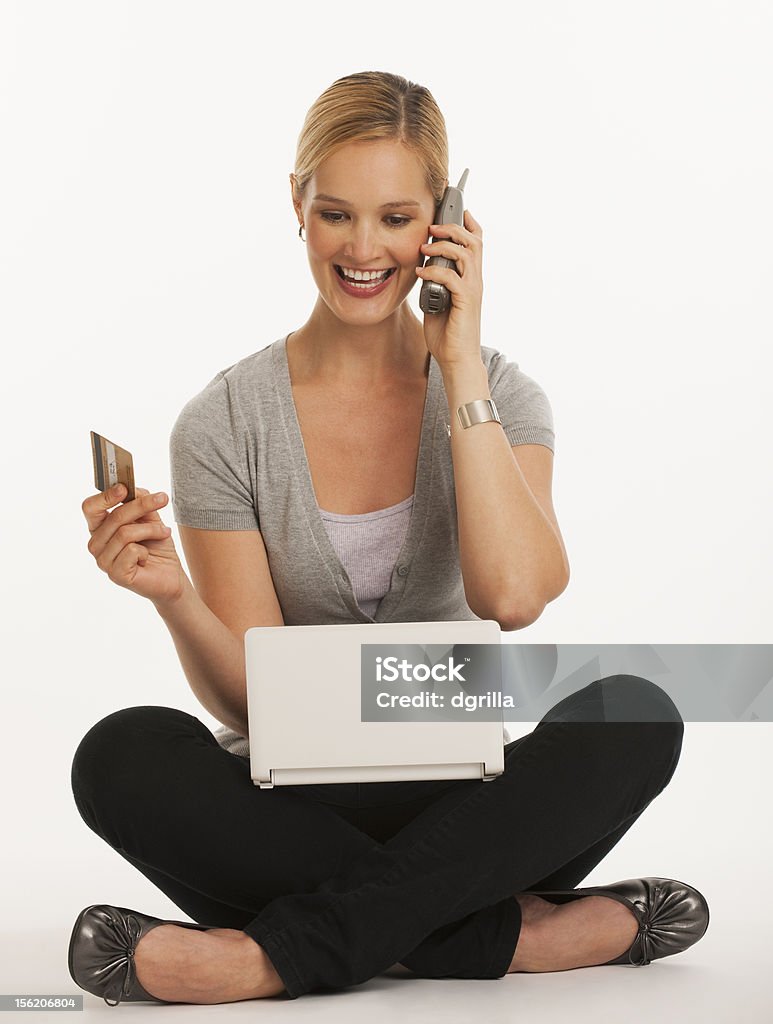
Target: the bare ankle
pixel 267 980
pixel 534 907
pixel 581 933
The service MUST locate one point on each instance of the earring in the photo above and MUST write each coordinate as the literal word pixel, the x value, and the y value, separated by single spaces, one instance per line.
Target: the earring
pixel 299 233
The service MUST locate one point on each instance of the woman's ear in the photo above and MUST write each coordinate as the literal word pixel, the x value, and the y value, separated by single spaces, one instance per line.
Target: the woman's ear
pixel 296 204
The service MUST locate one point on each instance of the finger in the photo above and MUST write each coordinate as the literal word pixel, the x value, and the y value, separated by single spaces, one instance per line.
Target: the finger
pixel 124 565
pixel 472 224
pixel 96 505
pixel 144 508
pixel 151 512
pixel 443 275
pixel 461 235
pixel 125 536
pixel 446 248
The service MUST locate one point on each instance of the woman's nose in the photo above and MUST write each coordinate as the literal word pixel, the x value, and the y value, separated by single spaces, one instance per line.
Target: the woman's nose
pixel 361 245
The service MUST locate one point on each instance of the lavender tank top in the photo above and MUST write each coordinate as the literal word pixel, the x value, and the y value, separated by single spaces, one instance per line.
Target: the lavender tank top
pixel 368 545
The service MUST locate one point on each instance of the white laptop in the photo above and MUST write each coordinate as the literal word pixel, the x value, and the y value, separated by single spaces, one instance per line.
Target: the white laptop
pixel 304 703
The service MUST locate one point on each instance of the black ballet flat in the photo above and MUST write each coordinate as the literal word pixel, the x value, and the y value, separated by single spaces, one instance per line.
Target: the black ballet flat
pixel 101 953
pixel 672 915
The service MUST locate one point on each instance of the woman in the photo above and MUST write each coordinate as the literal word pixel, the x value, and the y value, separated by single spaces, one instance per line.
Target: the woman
pixel 325 479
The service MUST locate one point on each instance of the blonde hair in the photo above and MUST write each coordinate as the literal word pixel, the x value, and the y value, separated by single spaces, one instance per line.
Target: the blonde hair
pixel 374 105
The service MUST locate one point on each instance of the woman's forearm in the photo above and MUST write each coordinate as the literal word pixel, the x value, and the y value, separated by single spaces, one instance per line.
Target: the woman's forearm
pixel 211 655
pixel 512 563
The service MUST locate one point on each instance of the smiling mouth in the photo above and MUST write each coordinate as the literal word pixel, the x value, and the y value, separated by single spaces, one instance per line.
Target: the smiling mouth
pixel 351 280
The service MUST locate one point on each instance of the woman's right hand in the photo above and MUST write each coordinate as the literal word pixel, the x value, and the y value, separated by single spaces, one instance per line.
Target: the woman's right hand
pixel 132 545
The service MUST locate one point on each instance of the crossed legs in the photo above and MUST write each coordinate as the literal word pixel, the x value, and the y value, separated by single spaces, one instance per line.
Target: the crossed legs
pixel 330 905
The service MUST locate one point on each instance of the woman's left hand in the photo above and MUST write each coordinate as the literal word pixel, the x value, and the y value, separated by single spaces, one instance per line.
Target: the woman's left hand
pixel 454 336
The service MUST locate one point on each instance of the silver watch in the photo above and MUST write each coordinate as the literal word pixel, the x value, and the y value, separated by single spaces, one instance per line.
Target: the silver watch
pixel 480 411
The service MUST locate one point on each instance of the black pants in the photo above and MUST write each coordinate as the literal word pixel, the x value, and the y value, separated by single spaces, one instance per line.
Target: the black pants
pixel 340 882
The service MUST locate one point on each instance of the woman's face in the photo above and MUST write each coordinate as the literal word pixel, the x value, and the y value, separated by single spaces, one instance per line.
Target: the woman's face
pixel 376 217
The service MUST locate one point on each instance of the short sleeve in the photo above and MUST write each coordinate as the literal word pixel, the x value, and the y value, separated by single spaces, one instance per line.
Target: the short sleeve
pixel 523 406
pixel 208 458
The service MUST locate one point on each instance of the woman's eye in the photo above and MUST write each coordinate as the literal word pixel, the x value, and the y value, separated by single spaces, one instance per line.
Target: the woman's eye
pixel 332 218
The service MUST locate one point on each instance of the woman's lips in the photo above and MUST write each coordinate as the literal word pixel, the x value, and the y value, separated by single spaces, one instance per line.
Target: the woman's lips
pixel 364 293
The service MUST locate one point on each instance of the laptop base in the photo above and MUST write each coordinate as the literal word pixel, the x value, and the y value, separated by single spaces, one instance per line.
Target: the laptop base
pixel 376 773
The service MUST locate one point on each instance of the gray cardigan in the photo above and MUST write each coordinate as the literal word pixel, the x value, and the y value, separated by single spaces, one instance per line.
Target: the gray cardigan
pixel 237 462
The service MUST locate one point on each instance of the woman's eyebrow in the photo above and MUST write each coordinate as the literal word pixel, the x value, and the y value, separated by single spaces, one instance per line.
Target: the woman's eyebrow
pixel 323 197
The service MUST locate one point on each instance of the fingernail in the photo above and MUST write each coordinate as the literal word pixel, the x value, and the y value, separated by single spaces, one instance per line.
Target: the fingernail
pixel 159 497
pixel 117 489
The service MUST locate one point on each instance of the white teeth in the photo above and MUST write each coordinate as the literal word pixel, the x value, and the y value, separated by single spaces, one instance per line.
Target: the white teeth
pixel 367 275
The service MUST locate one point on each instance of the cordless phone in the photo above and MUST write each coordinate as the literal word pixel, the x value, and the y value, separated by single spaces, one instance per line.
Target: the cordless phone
pixel 435 297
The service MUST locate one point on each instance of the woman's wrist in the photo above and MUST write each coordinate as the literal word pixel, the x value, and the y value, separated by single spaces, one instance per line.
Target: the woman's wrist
pixel 464 383
pixel 173 608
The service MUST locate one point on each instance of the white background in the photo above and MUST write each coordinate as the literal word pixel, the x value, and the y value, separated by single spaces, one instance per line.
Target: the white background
pixel 620 164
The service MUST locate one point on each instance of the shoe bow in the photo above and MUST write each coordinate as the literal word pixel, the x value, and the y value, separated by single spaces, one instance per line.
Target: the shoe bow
pixel 655 925
pixel 128 933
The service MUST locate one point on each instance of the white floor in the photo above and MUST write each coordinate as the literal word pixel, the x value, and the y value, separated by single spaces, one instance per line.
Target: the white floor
pixel 724 979
pixel 710 827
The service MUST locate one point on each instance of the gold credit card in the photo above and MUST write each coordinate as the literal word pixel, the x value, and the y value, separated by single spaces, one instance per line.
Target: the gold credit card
pixel 112 465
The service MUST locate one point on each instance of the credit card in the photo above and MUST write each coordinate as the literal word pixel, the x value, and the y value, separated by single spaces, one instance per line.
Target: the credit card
pixel 112 465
